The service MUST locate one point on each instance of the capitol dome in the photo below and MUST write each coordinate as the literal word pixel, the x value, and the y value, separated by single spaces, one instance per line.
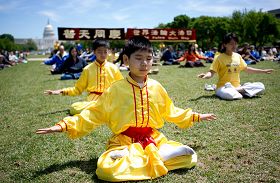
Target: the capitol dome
pixel 48 31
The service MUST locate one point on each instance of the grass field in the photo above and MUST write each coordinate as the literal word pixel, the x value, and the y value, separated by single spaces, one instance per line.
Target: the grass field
pixel 242 145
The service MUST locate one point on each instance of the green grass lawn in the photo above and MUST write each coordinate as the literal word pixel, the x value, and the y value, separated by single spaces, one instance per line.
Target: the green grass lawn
pixel 38 56
pixel 242 145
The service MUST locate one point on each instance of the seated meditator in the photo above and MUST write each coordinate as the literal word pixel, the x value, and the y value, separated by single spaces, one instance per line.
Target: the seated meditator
pixel 95 78
pixel 73 65
pixel 192 58
pixel 57 60
pixel 88 55
pixel 169 57
pixel 228 66
pixel 246 55
pixel 134 109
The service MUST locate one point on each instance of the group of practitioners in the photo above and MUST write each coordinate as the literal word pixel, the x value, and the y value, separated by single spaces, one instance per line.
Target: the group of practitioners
pixel 136 107
pixel 194 56
pixel 12 58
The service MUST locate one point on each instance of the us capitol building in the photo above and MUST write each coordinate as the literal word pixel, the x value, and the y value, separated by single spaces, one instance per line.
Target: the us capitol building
pixel 46 43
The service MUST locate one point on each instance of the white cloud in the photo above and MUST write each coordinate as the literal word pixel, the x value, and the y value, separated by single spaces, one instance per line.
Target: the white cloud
pixel 50 14
pixel 120 17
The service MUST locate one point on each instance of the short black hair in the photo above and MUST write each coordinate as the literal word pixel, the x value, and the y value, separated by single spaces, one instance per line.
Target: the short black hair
pixel 136 43
pixel 100 42
pixel 227 38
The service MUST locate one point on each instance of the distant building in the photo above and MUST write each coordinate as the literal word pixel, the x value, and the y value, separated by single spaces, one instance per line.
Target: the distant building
pixel 275 12
pixel 46 43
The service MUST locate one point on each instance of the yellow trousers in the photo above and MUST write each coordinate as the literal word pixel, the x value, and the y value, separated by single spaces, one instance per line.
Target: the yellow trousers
pixel 139 164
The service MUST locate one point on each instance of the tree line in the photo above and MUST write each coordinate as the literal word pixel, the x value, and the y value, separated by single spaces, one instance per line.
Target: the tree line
pixel 7 42
pixel 255 27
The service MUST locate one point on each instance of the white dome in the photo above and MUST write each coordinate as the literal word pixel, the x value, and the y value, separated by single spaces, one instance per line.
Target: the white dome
pixel 48 32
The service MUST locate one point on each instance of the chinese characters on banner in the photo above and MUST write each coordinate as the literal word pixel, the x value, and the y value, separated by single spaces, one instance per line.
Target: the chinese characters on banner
pixel 90 34
pixel 188 35
pixel 163 34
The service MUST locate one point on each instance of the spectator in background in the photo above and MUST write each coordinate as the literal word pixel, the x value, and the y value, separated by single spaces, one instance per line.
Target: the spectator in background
pixel 79 48
pixel 13 58
pixel 57 60
pixel 22 57
pixel 4 59
pixel 192 58
pixel 88 55
pixel 169 57
pixel 72 66
pixel 200 52
pixel 254 52
pixel 246 55
pixel 210 54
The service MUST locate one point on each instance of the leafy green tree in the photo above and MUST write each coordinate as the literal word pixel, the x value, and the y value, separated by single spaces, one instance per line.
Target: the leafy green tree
pixel 180 21
pixel 205 31
pixel 269 29
pixel 251 20
pixel 236 23
pixel 7 36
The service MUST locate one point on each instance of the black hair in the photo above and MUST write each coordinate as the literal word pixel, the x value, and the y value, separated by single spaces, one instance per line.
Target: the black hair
pixel 70 50
pixel 136 43
pixel 190 48
pixel 227 38
pixel 100 42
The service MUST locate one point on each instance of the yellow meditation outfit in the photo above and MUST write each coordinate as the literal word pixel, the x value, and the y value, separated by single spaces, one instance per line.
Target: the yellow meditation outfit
pixel 126 105
pixel 228 68
pixel 95 79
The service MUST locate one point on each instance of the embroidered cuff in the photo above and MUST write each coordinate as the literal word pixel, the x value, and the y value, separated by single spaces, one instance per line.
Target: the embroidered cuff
pixel 196 117
pixel 64 92
pixel 63 125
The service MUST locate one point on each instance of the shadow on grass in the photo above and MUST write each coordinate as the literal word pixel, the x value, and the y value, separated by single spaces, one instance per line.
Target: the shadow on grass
pixel 88 167
pixel 55 112
pixel 216 97
pixel 182 171
pixel 205 97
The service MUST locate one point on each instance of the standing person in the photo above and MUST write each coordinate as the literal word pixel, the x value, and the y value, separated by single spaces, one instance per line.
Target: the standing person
pixel 134 109
pixel 57 60
pixel 228 65
pixel 95 78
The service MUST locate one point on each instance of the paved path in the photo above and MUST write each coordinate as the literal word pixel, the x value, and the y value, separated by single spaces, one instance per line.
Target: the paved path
pixel 36 59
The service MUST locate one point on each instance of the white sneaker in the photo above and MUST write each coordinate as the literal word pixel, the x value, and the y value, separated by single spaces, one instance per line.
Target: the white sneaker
pixel 210 87
pixel 228 85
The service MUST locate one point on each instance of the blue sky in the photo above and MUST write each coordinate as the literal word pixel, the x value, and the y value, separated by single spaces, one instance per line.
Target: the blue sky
pixel 27 18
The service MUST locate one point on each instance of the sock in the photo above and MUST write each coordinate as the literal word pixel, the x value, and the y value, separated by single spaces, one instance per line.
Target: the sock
pixel 167 152
pixel 119 153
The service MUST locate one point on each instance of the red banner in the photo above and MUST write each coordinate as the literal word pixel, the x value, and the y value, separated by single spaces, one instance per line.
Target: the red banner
pixel 183 35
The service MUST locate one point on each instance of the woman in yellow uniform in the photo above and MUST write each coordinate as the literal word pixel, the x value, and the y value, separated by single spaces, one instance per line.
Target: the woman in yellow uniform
pixel 134 109
pixel 228 65
pixel 95 78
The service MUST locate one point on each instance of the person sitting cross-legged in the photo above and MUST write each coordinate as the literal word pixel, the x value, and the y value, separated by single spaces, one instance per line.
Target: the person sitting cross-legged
pixel 228 66
pixel 134 109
